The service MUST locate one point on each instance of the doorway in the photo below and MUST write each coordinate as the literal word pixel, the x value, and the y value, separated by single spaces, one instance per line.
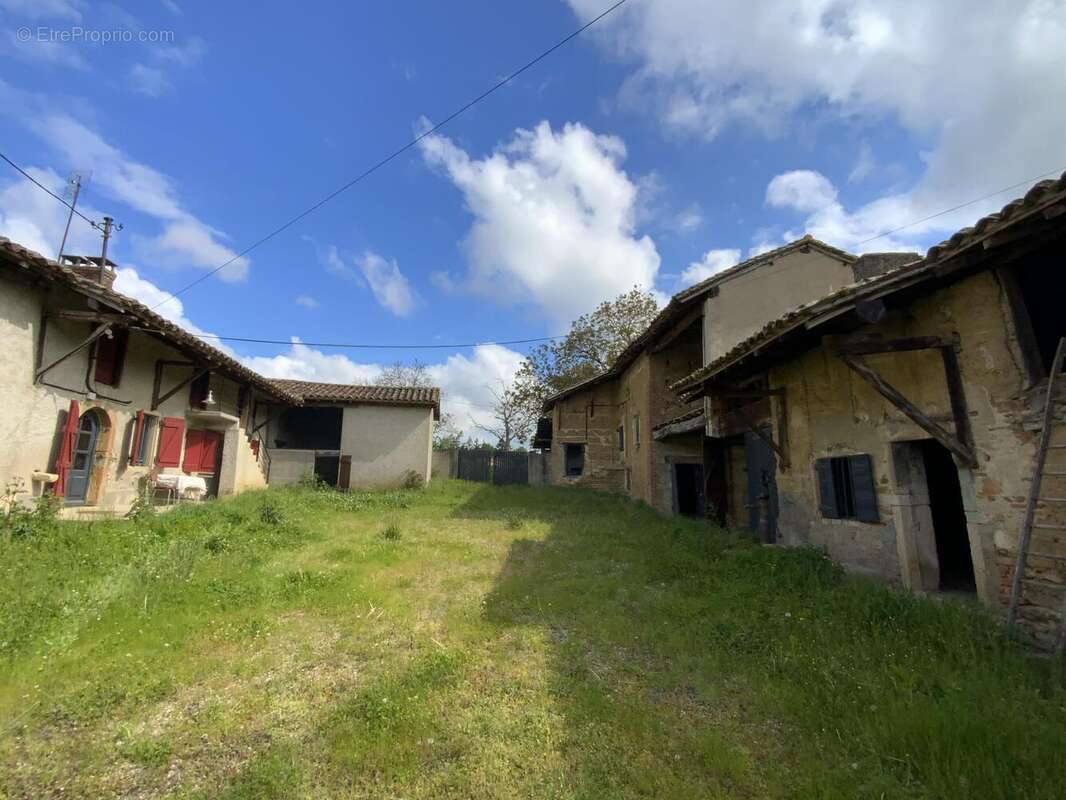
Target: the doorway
pixel 327 469
pixel 762 483
pixel 951 537
pixel 688 483
pixel 81 465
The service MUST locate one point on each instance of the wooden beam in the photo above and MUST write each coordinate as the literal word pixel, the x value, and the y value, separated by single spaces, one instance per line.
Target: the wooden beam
pixel 90 316
pixel 959 409
pixel 866 345
pixel 750 423
pixel 779 405
pixel 890 393
pixel 196 373
pixel 96 334
pixel 678 329
pixel 729 391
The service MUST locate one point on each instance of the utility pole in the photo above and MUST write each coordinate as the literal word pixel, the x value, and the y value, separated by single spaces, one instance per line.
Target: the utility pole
pixel 75 180
pixel 109 223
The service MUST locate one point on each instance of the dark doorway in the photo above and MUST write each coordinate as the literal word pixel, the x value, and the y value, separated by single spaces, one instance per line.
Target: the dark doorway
pixel 762 482
pixel 309 428
pixel 949 519
pixel 716 482
pixel 688 481
pixel 327 469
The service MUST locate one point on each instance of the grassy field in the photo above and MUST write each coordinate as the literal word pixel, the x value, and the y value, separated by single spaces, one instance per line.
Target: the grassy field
pixel 469 641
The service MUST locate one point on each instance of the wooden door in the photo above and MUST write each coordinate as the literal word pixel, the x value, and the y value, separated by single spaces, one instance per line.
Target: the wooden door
pixel 81 464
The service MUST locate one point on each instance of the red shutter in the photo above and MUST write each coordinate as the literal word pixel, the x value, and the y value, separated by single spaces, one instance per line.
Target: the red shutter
pixel 212 443
pixel 255 448
pixel 171 432
pixel 67 436
pixel 194 446
pixel 110 353
pixel 135 440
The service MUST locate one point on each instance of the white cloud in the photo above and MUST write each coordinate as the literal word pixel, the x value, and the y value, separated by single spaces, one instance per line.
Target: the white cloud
pixel 129 282
pixel 44 9
pixel 865 164
pixel 553 219
pixel 306 301
pixel 713 262
pixel 391 289
pixel 184 55
pixel 183 241
pixel 801 189
pixel 149 80
pixel 443 280
pixel 981 81
pixel 689 219
pixel 43 51
pixel 35 220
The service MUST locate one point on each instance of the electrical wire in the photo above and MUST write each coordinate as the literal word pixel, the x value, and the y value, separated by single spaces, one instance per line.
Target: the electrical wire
pixel 41 186
pixel 372 169
pixel 354 346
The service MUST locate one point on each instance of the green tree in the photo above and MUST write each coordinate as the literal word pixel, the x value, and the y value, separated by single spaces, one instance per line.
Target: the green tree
pixel 594 342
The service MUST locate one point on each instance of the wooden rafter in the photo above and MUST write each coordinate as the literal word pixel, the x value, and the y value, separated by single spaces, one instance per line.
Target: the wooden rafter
pixel 866 345
pixel 953 443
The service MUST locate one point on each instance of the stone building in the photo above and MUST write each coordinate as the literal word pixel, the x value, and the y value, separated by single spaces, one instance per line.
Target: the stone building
pixel 625 431
pixel 102 398
pixel 903 413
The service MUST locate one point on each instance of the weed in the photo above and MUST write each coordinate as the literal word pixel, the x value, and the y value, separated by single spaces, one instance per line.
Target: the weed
pixel 413 480
pixel 147 752
pixel 391 533
pixel 271 513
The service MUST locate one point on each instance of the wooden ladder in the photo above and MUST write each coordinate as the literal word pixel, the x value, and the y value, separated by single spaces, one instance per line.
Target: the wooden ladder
pixel 1019 579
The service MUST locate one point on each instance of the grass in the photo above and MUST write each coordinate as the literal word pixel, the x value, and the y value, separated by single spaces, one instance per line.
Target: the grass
pixel 472 641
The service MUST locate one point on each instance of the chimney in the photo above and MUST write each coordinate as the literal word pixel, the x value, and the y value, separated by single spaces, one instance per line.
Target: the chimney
pixel 91 268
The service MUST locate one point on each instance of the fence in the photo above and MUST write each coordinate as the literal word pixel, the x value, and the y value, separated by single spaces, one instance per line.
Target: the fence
pixel 491 466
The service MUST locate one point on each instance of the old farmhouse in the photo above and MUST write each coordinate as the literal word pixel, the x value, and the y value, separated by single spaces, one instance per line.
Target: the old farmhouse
pixel 105 400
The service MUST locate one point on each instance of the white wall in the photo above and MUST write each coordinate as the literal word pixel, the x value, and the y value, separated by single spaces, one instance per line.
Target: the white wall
pixel 385 442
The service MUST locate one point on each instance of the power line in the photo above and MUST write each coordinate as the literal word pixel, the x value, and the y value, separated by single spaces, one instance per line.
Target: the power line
pixel 370 170
pixel 1058 171
pixel 41 186
pixel 353 346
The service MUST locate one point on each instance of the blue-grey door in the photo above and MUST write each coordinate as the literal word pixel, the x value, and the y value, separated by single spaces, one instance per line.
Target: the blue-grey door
pixel 762 481
pixel 81 463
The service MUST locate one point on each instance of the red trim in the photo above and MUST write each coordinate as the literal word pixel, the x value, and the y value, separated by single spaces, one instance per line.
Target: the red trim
pixel 171 433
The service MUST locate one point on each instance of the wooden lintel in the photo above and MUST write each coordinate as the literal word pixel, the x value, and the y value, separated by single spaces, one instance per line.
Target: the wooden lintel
pixel 916 415
pixel 90 316
pixel 865 345
pixel 157 399
pixel 96 334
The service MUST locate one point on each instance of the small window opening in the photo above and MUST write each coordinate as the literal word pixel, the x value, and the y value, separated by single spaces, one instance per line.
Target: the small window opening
pixel 622 438
pixel 574 458
pixel 846 488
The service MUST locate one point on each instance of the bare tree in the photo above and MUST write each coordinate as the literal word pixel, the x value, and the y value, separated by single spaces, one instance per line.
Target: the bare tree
pixel 513 419
pixel 399 374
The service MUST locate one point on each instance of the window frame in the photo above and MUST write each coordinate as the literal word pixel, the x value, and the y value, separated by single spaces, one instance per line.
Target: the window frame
pixel 846 488
pixel 636 430
pixel 621 431
pixel 149 431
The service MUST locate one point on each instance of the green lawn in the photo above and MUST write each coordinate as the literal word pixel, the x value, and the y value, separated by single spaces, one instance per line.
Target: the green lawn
pixel 469 641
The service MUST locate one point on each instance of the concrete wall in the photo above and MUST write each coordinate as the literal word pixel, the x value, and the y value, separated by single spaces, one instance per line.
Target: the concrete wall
pixel 832 411
pixel 748 300
pixel 33 414
pixel 387 442
pixel 290 466
pixel 444 464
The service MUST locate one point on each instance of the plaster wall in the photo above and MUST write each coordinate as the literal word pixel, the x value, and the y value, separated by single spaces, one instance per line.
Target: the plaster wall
pixel 387 442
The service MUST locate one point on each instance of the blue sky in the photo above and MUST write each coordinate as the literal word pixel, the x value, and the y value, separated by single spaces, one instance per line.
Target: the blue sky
pixel 670 141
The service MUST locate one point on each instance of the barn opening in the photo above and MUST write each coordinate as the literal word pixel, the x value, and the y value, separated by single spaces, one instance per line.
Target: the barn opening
pixel 949 519
pixel 1038 315
pixel 688 480
pixel 309 428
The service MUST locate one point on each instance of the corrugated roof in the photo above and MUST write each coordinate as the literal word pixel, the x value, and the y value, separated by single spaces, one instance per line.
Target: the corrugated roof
pixel 316 392
pixel 683 301
pixel 18 257
pixel 1042 196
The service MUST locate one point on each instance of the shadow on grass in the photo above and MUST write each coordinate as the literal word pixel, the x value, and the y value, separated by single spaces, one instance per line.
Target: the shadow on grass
pixel 690 664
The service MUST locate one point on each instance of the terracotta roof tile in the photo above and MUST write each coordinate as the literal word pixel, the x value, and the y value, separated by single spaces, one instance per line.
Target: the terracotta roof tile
pixel 316 392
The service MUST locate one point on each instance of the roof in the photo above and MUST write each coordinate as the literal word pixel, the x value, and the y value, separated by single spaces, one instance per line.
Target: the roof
pixel 682 423
pixel 316 392
pixel 1040 201
pixel 683 301
pixel 35 265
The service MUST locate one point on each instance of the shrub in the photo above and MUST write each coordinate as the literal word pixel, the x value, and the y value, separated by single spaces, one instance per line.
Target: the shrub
pixel 391 533
pixel 413 479
pixel 270 513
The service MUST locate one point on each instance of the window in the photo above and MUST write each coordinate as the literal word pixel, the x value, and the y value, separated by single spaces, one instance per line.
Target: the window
pixel 622 438
pixel 110 353
pixel 144 430
pixel 636 429
pixel 574 457
pixel 199 389
pixel 846 488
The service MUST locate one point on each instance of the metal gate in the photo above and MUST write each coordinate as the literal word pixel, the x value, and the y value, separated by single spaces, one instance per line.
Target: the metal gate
pixel 474 465
pixel 510 467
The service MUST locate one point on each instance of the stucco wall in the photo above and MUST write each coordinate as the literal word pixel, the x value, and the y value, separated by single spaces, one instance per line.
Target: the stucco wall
pixel 747 301
pixel 386 442
pixel 591 418
pixel 832 411
pixel 290 466
pixel 34 413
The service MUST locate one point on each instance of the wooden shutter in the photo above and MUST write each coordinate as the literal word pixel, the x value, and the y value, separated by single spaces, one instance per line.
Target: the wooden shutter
pixel 67 436
pixel 344 474
pixel 827 496
pixel 171 433
pixel 135 440
pixel 194 446
pixel 209 451
pixel 255 448
pixel 862 486
pixel 110 354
